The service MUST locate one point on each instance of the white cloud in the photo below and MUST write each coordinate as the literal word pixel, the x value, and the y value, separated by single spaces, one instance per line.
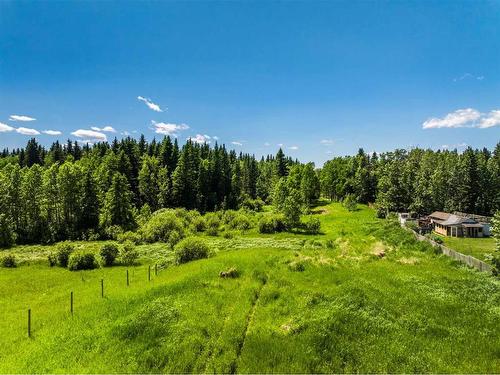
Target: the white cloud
pixel 236 143
pixel 280 144
pixel 468 76
pixel 52 132
pixel 215 137
pixel 150 104
pixel 465 118
pixel 267 144
pixel 168 129
pixel 461 118
pixel 91 135
pixel 125 133
pixel 200 138
pixel 326 142
pixel 293 147
pixel 108 129
pixel 5 128
pixel 21 118
pixel 490 120
pixel 329 152
pixel 87 141
pixel 459 145
pixel 27 131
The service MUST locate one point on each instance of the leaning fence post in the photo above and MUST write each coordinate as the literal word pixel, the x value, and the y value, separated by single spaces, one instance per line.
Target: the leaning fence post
pixel 71 303
pixel 127 278
pixel 29 322
pixel 102 288
pixel 156 269
pixel 149 273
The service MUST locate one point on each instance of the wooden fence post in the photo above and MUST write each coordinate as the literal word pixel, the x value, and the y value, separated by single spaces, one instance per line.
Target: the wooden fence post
pixel 149 273
pixel 102 288
pixel 71 304
pixel 156 269
pixel 29 322
pixel 127 279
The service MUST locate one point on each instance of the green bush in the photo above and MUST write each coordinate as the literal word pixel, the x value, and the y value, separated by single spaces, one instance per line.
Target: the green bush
pixel 128 253
pixel 272 224
pixel 130 236
pixel 81 260
pixel 8 261
pixel 350 202
pixel 241 222
pixel 63 252
pixel 162 224
pixel 231 273
pixel 189 249
pixel 52 258
pixel 174 238
pixel 313 225
pixel 198 224
pixel 108 253
pixel 436 239
pixel 253 204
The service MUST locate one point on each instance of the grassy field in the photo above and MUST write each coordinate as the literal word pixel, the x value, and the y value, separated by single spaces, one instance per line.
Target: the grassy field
pixel 476 247
pixel 363 296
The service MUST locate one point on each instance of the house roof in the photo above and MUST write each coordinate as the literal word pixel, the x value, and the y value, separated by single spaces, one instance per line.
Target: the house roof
pixel 439 215
pixel 473 225
pixel 457 220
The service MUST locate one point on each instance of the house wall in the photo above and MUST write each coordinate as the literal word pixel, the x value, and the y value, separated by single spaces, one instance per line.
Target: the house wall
pixel 440 229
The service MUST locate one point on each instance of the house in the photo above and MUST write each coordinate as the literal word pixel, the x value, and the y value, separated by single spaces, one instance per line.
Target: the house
pixel 458 225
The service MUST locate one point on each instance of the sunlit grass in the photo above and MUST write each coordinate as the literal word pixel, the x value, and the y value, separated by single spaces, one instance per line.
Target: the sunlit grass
pixel 363 296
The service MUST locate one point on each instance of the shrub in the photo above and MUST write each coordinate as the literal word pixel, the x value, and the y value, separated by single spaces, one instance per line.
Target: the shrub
pixel 174 238
pixel 128 253
pixel 437 239
pixel 189 249
pixel 350 202
pixel 272 224
pixel 198 224
pixel 212 220
pixel 130 236
pixel 113 231
pixel 297 266
pixel 228 235
pixel 108 253
pixel 52 258
pixel 330 244
pixel 63 253
pixel 241 222
pixel 8 261
pixel 313 225
pixel 161 225
pixel 81 260
pixel 253 204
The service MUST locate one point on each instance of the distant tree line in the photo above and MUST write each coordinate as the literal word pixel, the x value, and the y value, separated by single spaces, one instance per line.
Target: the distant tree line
pixel 71 192
pixel 418 180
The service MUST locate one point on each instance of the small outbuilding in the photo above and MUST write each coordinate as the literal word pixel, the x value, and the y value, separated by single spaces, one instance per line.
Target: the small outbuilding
pixel 454 225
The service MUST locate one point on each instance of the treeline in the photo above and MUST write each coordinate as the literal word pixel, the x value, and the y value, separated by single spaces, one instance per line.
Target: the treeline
pixel 418 180
pixel 73 192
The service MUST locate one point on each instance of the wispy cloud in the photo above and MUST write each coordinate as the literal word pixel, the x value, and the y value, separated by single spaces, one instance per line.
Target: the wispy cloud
pixel 468 76
pixel 293 147
pixel 215 137
pixel 267 144
pixel 490 120
pixel 150 104
pixel 451 147
pixel 464 118
pixel 5 128
pixel 108 129
pixel 237 143
pixel 27 131
pixel 200 138
pixel 91 135
pixel 21 118
pixel 52 132
pixel 326 142
pixel 168 129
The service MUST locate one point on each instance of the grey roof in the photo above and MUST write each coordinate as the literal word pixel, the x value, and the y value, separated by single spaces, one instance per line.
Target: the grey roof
pixel 440 215
pixel 457 220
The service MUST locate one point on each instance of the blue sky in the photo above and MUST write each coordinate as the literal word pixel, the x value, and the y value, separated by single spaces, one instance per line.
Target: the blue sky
pixel 319 78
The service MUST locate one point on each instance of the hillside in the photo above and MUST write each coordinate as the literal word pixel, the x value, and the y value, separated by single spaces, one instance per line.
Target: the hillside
pixel 362 296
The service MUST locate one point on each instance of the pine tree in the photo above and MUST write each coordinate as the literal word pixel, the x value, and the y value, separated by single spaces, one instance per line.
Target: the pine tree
pixel 117 209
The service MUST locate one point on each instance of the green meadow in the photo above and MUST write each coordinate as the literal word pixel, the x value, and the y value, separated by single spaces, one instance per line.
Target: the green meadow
pixel 361 296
